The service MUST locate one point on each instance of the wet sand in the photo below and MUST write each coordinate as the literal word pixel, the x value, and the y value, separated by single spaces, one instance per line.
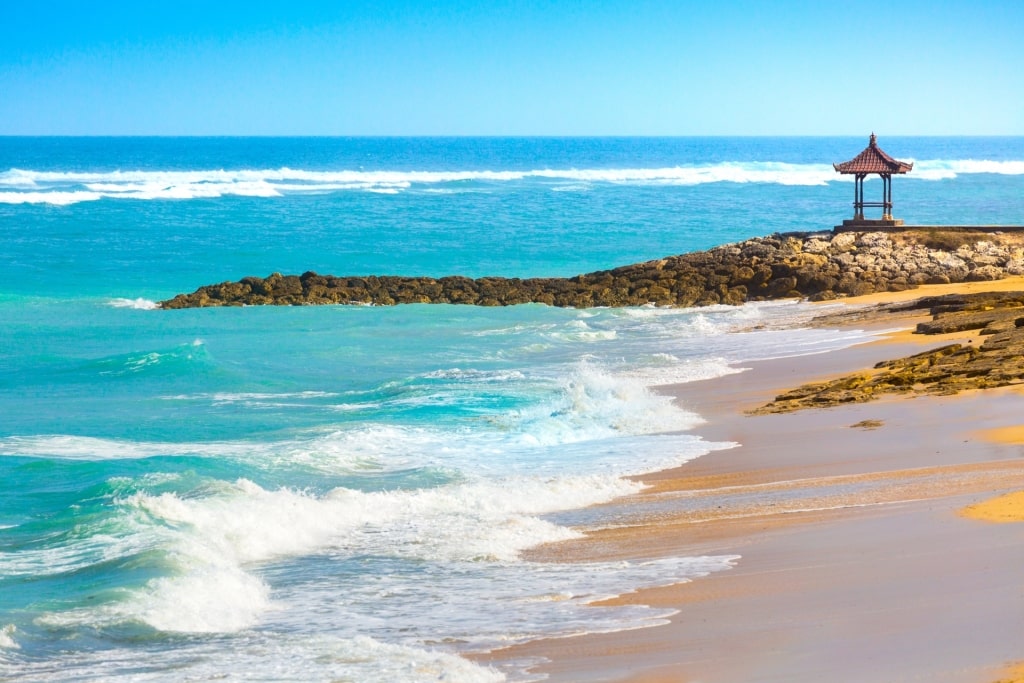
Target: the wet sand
pixel 857 562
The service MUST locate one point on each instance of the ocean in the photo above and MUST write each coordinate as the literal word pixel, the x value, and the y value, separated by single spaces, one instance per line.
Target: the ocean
pixel 345 492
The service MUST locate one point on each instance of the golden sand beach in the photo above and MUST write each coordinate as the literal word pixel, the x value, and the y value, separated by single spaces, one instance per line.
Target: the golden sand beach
pixel 865 531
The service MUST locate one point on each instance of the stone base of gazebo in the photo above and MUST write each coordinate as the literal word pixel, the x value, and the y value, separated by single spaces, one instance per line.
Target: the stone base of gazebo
pixel 861 224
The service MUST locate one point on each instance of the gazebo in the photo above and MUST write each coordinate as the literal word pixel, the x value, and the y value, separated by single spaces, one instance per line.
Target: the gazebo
pixel 872 160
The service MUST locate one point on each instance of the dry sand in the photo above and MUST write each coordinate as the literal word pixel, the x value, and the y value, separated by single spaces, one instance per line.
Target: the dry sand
pixel 1008 284
pixel 1013 434
pixel 856 562
pixel 1008 507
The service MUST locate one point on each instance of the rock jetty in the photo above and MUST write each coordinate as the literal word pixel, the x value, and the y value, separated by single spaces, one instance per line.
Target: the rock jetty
pixel 996 360
pixel 818 266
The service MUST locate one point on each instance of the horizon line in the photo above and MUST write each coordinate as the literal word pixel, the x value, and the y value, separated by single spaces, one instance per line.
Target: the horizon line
pixel 498 135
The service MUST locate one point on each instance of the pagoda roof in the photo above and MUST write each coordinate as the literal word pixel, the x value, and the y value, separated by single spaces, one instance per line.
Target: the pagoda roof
pixel 873 160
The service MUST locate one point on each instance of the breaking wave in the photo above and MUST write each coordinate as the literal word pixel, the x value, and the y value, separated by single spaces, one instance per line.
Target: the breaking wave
pixel 20 186
pixel 138 304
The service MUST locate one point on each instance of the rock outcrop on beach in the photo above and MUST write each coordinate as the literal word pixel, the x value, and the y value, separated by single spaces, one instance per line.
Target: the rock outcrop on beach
pixel 994 359
pixel 818 266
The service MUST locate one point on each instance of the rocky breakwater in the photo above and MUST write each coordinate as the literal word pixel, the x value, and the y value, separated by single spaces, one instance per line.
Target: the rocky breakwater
pixel 994 357
pixel 818 266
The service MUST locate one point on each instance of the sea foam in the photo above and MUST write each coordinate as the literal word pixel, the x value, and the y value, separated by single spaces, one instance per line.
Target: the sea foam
pixel 474 529
pixel 7 637
pixel 21 186
pixel 313 656
pixel 942 169
pixel 211 542
pixel 139 304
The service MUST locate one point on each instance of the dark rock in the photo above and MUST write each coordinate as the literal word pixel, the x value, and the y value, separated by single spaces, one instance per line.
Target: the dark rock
pixel 816 265
pixel 948 369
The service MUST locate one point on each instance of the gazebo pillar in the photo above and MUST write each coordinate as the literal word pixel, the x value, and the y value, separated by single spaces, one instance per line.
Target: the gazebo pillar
pixel 858 196
pixel 886 210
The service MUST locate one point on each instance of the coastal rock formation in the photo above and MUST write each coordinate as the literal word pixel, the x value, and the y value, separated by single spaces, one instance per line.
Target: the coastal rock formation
pixel 998 360
pixel 818 266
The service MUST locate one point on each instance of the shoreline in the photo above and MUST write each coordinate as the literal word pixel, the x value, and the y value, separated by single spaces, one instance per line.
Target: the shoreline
pixel 844 519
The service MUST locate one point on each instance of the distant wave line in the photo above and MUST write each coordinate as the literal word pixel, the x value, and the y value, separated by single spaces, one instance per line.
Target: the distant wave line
pixel 19 186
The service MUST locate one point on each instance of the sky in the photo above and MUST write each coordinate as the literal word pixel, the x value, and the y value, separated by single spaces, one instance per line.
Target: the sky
pixel 512 67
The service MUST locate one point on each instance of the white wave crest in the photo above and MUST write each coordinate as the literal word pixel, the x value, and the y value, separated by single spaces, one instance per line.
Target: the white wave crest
pixel 7 638
pixel 248 396
pixel 666 369
pixel 468 521
pixel 595 405
pixel 57 198
pixel 942 169
pixel 470 375
pixel 66 447
pixel 20 186
pixel 139 304
pixel 63 188
pixel 213 540
pixel 210 598
pixel 580 331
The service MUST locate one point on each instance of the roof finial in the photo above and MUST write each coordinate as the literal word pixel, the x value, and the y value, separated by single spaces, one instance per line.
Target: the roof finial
pixel 872 139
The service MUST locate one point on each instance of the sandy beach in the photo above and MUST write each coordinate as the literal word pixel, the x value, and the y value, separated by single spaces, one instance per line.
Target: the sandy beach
pixel 861 556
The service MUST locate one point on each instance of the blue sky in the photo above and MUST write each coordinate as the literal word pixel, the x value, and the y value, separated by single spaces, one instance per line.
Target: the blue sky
pixel 512 68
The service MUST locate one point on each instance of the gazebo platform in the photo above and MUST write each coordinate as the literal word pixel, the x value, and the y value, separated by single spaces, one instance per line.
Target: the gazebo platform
pixel 898 226
pixel 871 223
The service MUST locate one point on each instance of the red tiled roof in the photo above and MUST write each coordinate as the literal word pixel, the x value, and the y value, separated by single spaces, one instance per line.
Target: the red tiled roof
pixel 873 160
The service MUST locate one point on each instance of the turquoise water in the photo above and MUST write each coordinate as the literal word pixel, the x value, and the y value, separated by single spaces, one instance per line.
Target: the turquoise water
pixel 318 493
